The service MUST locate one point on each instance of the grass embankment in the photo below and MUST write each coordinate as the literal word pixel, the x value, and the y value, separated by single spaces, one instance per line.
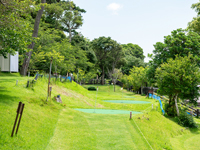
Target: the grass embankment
pixel 50 125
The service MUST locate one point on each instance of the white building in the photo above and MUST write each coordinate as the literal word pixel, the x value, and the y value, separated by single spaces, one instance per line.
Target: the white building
pixel 9 64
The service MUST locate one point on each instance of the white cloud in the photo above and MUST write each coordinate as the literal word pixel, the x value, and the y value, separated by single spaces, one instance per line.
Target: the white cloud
pixel 114 7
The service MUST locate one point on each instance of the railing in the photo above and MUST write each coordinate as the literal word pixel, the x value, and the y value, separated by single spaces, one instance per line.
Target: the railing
pixel 189 109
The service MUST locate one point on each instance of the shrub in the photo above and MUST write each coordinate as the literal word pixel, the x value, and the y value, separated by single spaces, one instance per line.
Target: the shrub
pixel 186 120
pixel 170 110
pixel 92 88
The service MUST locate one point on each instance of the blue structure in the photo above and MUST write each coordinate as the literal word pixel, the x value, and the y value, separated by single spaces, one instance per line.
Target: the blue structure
pixel 161 106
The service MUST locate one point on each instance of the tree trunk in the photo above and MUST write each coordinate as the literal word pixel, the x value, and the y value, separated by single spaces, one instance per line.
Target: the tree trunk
pixel 141 90
pixel 70 35
pixel 103 73
pixel 27 59
pixel 177 110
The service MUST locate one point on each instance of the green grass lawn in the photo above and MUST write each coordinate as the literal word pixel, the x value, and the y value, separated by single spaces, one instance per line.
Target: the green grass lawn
pixel 51 125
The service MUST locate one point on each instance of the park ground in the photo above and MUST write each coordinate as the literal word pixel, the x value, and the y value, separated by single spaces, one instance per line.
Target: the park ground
pixel 48 125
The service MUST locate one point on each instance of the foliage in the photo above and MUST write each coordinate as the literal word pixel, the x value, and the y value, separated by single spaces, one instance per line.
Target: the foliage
pixel 71 19
pixel 186 120
pixel 79 76
pixel 131 61
pixel 137 77
pixel 125 81
pixel 53 13
pixel 108 53
pixel 133 50
pixel 171 111
pixel 92 88
pixel 90 75
pixel 177 77
pixel 194 24
pixel 15 26
pixel 84 44
pixel 180 42
pixel 133 57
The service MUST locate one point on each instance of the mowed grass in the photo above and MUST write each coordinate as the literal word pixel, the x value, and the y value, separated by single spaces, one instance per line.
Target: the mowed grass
pixel 50 125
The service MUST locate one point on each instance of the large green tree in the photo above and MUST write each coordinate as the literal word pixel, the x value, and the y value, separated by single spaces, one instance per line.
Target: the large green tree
pixel 137 78
pixel 133 50
pixel 25 65
pixel 133 57
pixel 72 18
pixel 106 50
pixel 180 42
pixel 176 78
pixel 15 25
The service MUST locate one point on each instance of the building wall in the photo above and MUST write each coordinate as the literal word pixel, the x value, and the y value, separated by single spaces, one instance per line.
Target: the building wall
pixel 10 63
pixel 14 63
pixel 5 63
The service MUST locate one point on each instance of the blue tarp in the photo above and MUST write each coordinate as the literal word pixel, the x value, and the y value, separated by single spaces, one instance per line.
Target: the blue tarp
pixel 158 98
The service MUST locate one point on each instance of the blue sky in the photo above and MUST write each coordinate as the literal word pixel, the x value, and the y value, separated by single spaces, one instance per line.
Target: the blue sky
pixel 142 22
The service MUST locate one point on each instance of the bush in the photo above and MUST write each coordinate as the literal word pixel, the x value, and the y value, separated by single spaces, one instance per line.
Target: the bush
pixel 186 120
pixel 170 110
pixel 92 88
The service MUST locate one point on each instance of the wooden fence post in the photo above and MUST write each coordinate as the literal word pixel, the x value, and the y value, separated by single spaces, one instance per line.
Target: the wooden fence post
pixel 19 105
pixel 20 111
pixel 130 115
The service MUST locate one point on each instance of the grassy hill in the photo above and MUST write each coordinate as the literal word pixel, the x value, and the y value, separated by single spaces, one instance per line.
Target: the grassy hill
pixel 51 125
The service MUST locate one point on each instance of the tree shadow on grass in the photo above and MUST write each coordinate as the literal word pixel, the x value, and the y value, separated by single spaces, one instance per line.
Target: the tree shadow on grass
pixel 192 130
pixel 7 99
pixel 7 80
pixel 129 94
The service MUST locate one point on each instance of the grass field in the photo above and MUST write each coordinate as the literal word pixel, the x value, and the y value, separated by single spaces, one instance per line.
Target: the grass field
pixel 51 125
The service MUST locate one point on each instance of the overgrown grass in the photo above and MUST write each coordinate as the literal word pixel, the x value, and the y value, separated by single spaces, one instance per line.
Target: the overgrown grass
pixel 51 125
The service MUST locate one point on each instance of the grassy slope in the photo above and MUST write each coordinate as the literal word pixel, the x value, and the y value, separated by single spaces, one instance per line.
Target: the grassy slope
pixel 55 126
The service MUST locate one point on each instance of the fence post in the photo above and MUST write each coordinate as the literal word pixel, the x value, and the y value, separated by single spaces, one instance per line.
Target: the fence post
pixel 20 111
pixel 130 115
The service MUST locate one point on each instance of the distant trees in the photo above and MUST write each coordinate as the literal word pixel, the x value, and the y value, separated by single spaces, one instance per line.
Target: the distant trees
pixel 108 53
pixel 72 18
pixel 133 57
pixel 133 50
pixel 194 25
pixel 137 78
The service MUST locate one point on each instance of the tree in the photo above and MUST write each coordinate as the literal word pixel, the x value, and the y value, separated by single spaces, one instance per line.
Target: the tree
pixel 176 78
pixel 194 25
pixel 115 55
pixel 125 81
pixel 103 47
pixel 72 18
pixel 131 61
pixel 84 44
pixel 116 74
pixel 24 68
pixel 180 42
pixel 15 26
pixel 133 50
pixel 133 57
pixel 137 78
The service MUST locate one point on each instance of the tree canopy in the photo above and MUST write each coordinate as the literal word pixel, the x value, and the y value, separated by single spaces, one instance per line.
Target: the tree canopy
pixel 177 78
pixel 180 42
